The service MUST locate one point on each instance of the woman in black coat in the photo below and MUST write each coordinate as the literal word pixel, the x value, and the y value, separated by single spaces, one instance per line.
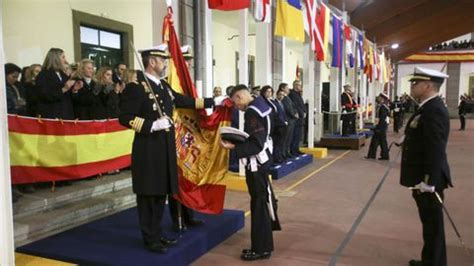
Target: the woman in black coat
pixel 55 88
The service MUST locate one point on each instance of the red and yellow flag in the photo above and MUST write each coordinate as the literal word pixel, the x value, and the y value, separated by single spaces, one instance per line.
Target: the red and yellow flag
pixel 51 150
pixel 202 163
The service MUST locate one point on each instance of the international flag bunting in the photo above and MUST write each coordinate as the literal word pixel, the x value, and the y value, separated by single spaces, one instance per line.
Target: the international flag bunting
pixel 289 20
pixel 349 39
pixel 43 150
pixel 262 11
pixel 316 31
pixel 322 31
pixel 369 60
pixel 376 67
pixel 202 163
pixel 337 52
pixel 360 44
pixel 228 5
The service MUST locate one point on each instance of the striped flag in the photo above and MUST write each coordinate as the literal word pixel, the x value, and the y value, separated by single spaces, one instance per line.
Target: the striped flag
pixel 202 163
pixel 349 39
pixel 289 20
pixel 52 150
pixel 360 44
pixel 228 5
pixel 337 52
pixel 262 11
pixel 322 32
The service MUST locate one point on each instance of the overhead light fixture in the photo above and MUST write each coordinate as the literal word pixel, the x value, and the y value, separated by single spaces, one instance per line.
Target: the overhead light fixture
pixel 395 46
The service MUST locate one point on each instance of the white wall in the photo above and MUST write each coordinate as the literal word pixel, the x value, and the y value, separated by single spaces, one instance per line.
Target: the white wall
pixel 31 27
pixel 467 70
pixel 224 50
pixel 293 56
pixel 405 70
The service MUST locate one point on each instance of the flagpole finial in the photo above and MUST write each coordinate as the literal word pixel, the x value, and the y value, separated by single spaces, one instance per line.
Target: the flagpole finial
pixel 168 3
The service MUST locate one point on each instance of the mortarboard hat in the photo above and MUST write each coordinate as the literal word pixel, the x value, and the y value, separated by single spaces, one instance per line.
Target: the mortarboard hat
pixel 160 50
pixel 422 73
pixel 187 53
pixel 233 135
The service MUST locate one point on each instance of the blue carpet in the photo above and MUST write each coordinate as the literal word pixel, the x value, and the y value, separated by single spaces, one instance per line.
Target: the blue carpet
pixel 116 240
pixel 285 168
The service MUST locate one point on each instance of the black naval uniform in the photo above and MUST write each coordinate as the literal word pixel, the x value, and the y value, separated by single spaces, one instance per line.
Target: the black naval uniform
pixel 154 168
pixel 380 134
pixel 424 159
pixel 397 115
pixel 257 125
pixel 348 120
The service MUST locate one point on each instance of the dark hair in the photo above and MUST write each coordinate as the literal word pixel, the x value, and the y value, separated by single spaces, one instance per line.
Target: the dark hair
pixel 264 89
pixel 146 60
pixel 238 88
pixel 11 68
pixel 118 64
pixel 282 86
pixel 228 90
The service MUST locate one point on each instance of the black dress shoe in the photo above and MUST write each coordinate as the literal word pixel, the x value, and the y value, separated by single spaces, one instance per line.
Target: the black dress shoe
pixel 367 157
pixel 415 263
pixel 384 158
pixel 168 241
pixel 156 247
pixel 246 250
pixel 195 222
pixel 249 256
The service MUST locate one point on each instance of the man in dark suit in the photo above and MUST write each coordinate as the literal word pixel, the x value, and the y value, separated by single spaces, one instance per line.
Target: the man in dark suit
pixel 292 116
pixel 397 107
pixel 154 166
pixel 297 98
pixel 380 130
pixel 424 166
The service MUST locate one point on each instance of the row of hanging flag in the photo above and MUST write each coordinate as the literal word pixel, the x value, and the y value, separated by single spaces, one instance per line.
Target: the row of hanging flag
pixel 293 19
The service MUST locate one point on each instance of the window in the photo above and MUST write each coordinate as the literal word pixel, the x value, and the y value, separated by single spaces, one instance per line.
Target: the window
pixel 102 46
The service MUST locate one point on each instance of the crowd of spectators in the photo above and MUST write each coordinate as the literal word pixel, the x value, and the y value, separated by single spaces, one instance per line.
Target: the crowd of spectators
pixel 453 45
pixel 59 90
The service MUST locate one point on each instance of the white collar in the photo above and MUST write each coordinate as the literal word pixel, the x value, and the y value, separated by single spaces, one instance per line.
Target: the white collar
pixel 88 80
pixel 426 100
pixel 153 78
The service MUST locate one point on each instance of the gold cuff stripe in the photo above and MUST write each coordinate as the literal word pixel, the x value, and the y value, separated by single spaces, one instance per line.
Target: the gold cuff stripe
pixel 199 103
pixel 137 124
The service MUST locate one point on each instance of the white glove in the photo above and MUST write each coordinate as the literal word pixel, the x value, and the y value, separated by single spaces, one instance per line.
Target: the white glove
pixel 219 100
pixel 161 124
pixel 423 187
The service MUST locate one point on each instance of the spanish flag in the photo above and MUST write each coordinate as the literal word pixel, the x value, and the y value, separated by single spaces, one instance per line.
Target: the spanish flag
pixel 289 20
pixel 202 163
pixel 52 150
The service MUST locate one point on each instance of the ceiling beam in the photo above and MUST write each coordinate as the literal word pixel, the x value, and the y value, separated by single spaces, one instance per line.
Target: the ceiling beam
pixel 379 11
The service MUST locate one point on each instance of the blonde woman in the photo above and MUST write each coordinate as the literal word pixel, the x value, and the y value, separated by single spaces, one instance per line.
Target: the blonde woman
pixel 55 87
pixel 85 100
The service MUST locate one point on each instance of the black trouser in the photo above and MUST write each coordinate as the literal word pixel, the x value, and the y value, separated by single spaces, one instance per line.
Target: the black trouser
pixel 150 212
pixel 379 138
pixel 462 118
pixel 296 139
pixel 289 136
pixel 261 224
pixel 397 119
pixel 187 214
pixel 431 216
pixel 279 137
pixel 348 124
